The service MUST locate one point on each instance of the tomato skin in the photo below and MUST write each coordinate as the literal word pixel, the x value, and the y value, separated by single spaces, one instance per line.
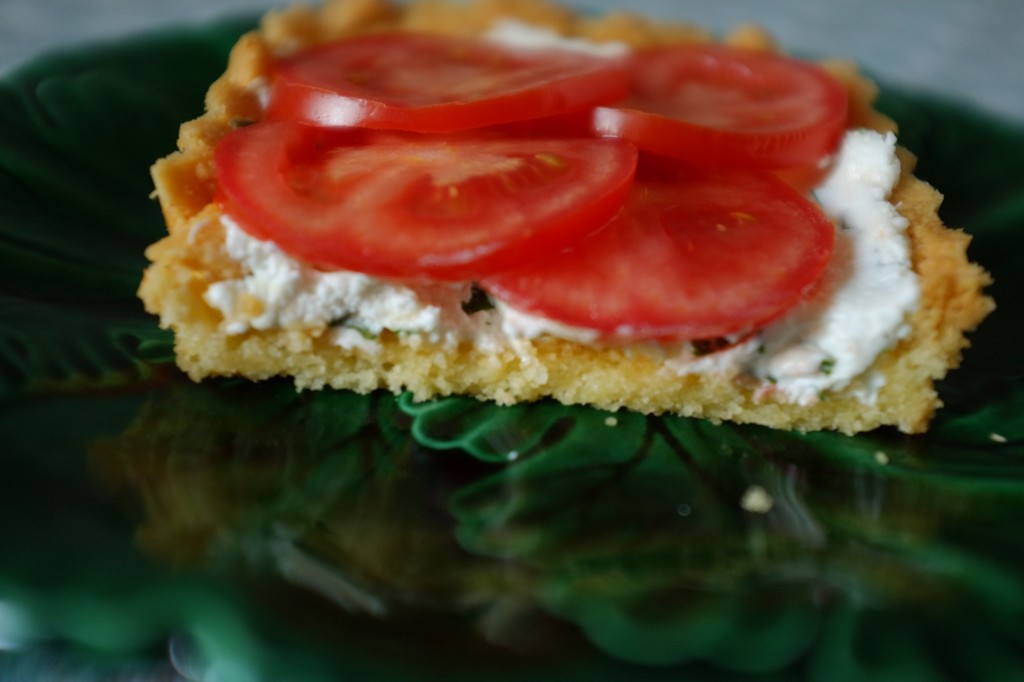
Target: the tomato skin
pixel 696 256
pixel 724 107
pixel 410 206
pixel 428 83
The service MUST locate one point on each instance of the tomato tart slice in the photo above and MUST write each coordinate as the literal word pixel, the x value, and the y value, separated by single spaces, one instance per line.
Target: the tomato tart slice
pixel 515 202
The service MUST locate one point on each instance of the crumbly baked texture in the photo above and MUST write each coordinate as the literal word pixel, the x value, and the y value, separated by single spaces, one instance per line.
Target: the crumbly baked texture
pixel 192 257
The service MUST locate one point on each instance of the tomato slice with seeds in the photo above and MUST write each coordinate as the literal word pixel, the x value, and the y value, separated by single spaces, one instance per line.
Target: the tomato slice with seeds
pixel 401 205
pixel 719 106
pixel 432 83
pixel 697 256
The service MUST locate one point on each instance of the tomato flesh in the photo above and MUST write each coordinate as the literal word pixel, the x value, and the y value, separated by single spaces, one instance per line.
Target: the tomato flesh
pixel 423 157
pixel 413 206
pixel 431 83
pixel 717 106
pixel 697 256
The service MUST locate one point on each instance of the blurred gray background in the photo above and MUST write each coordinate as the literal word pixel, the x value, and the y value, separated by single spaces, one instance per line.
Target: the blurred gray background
pixel 969 50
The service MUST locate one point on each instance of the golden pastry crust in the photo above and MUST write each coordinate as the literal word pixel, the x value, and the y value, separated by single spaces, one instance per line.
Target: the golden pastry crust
pixel 191 257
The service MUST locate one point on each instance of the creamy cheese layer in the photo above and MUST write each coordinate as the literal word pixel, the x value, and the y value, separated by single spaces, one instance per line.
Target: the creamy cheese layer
pixel 524 36
pixel 868 290
pixel 826 343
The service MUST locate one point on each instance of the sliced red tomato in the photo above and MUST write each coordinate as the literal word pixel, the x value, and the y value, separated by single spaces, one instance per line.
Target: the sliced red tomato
pixel 698 256
pixel 431 83
pixel 414 206
pixel 718 106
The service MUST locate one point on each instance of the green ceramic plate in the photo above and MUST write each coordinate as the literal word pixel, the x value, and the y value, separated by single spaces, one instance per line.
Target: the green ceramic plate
pixel 155 529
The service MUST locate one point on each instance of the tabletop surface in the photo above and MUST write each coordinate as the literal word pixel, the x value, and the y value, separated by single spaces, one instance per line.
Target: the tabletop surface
pixel 967 51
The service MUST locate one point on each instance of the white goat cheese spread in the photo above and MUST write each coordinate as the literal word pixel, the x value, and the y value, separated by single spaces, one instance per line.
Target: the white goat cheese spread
pixel 826 343
pixel 526 37
pixel 868 290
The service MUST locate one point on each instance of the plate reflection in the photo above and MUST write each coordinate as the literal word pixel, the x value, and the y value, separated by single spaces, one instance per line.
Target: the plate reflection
pixel 521 534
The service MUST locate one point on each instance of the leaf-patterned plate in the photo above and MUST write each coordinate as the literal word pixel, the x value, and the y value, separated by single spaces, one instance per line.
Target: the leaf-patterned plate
pixel 155 529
